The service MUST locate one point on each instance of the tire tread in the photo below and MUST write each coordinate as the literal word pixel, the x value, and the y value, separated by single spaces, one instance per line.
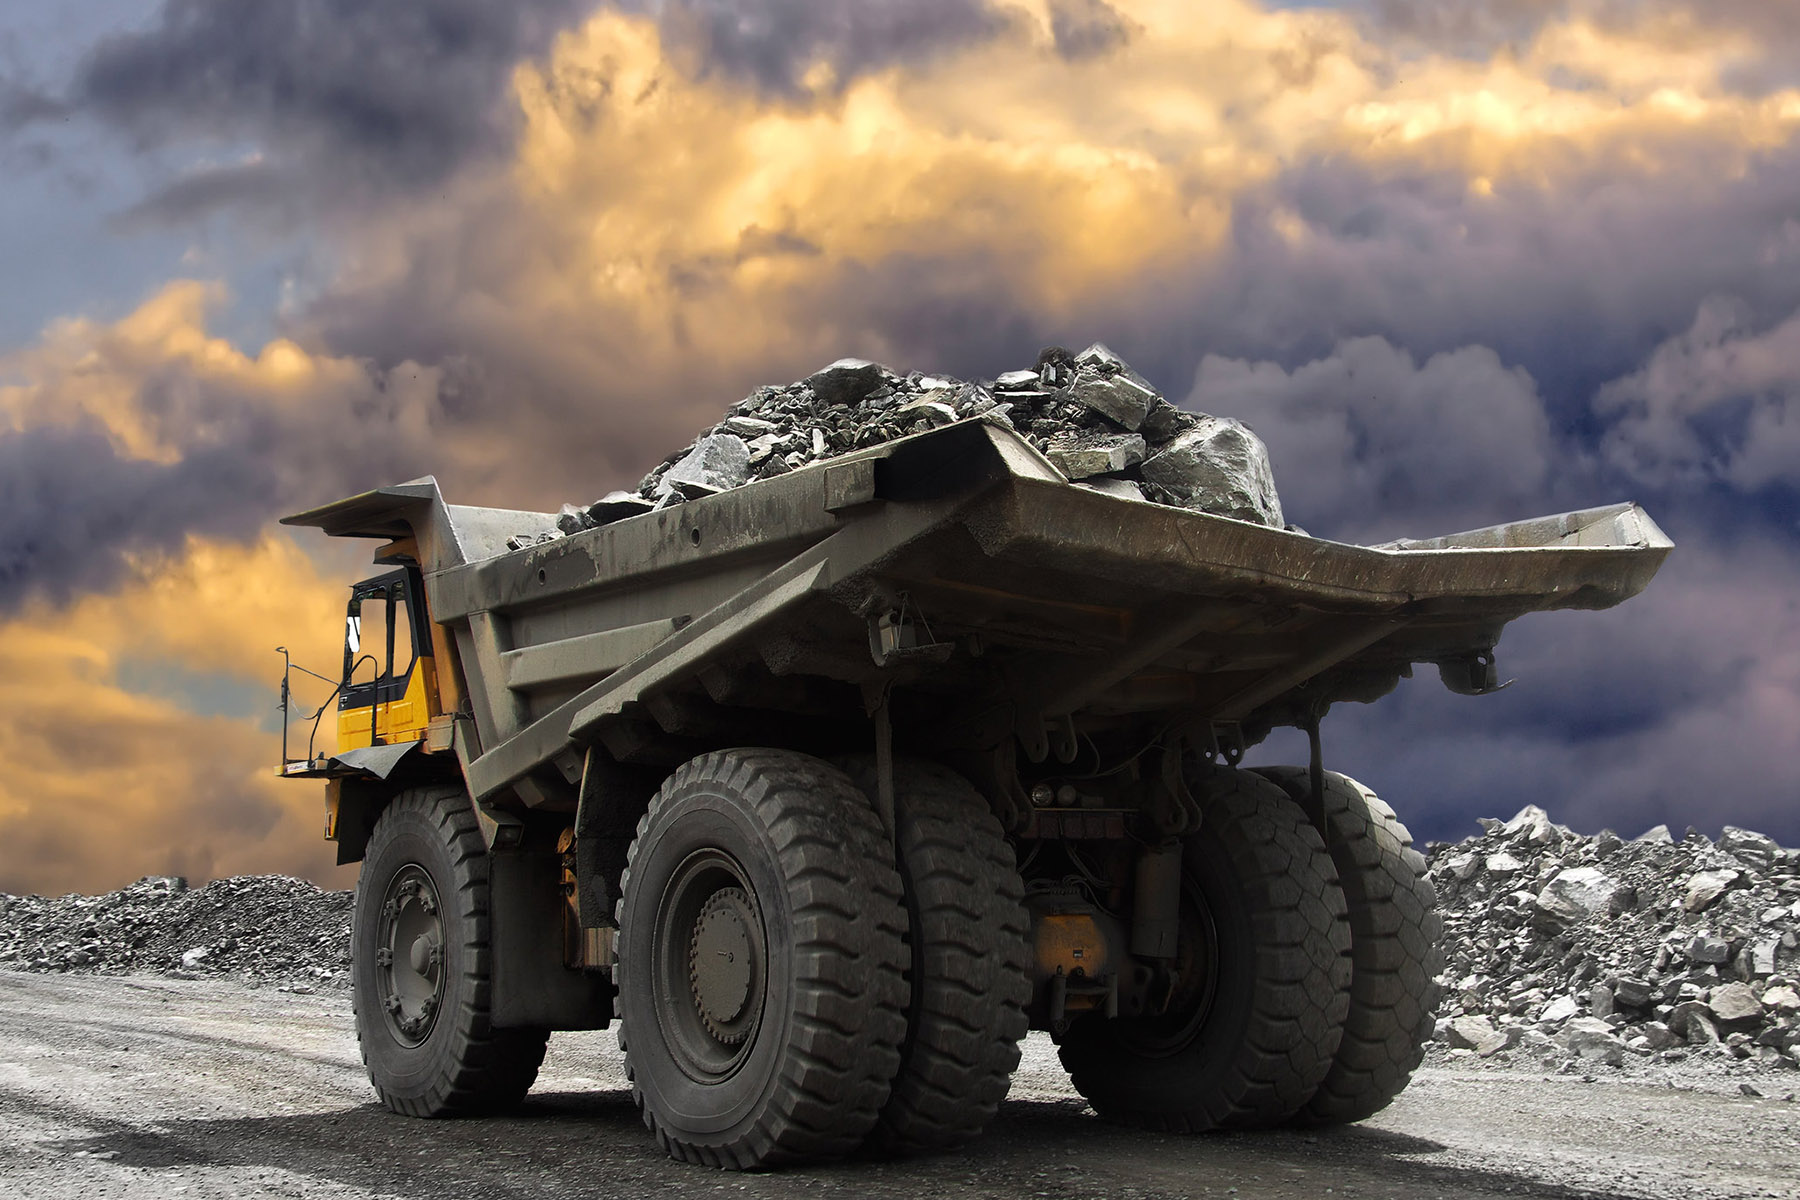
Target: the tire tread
pixel 1396 936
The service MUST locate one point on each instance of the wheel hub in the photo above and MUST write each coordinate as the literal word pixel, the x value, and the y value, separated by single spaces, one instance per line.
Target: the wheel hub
pixel 409 956
pixel 709 965
pixel 721 968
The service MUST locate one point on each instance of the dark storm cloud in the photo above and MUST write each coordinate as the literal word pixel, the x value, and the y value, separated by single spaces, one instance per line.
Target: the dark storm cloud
pixel 1576 283
pixel 774 43
pixel 22 104
pixel 1719 402
pixel 1473 27
pixel 71 509
pixel 344 94
pixel 1369 444
pixel 76 514
pixel 1768 56
pixel 1089 28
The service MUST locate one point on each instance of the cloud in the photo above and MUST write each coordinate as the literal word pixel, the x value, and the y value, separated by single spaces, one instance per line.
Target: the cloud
pixel 1086 28
pixel 105 782
pixel 794 47
pixel 22 104
pixel 344 100
pixel 1720 402
pixel 1369 444
pixel 119 441
pixel 1414 264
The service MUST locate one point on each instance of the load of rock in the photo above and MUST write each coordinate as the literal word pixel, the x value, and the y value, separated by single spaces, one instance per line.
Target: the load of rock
pixel 263 929
pixel 1598 950
pixel 1098 421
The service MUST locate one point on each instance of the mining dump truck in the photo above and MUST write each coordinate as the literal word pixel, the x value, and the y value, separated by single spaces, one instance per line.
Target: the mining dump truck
pixel 829 787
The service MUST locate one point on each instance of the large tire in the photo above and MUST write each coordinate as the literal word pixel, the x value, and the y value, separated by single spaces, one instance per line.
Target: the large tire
pixel 969 974
pixel 1264 980
pixel 420 965
pixel 761 958
pixel 1395 935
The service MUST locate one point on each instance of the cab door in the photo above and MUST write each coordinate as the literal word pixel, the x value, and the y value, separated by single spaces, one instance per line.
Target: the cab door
pixel 387 665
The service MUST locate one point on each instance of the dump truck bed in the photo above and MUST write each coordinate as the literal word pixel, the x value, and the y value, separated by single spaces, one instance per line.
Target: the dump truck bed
pixel 960 572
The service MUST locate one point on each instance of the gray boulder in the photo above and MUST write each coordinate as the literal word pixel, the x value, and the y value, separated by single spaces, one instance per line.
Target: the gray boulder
pixel 1098 456
pixel 1594 1041
pixel 717 462
pixel 1576 894
pixel 847 380
pixel 1704 887
pixel 1705 948
pixel 1474 1033
pixel 1118 398
pixel 1756 849
pixel 1736 1005
pixel 1219 467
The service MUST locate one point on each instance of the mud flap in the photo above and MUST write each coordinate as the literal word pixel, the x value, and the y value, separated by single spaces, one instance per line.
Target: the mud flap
pixel 531 986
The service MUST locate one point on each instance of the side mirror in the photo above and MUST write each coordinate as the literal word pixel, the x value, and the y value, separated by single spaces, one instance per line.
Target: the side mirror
pixel 353 633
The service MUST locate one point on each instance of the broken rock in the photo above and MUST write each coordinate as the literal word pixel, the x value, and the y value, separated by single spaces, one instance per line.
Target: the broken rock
pixel 1704 948
pixel 1121 489
pixel 1220 467
pixel 616 506
pixel 1118 398
pixel 1104 455
pixel 1503 864
pixel 716 463
pixel 1576 894
pixel 1475 1033
pixel 1755 849
pixel 1782 999
pixel 1534 825
pixel 1594 1040
pixel 1631 992
pixel 1704 887
pixel 1735 1005
pixel 846 381
pixel 1558 1011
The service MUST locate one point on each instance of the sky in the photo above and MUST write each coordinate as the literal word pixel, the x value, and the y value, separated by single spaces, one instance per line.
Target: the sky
pixel 1456 263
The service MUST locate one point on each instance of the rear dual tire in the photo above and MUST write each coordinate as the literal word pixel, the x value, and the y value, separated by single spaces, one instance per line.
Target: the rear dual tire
pixel 1264 986
pixel 1395 936
pixel 969 975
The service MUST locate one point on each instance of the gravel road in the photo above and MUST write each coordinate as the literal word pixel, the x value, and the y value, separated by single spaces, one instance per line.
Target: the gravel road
pixel 142 1086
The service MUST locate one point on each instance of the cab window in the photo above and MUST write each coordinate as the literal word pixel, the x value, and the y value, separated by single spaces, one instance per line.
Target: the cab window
pixel 378 643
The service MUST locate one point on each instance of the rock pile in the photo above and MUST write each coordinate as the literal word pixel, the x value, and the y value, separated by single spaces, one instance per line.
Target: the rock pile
pixel 266 929
pixel 1559 948
pixel 1601 950
pixel 1094 417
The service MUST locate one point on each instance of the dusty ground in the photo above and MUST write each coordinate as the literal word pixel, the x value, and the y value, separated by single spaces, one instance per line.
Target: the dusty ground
pixel 143 1086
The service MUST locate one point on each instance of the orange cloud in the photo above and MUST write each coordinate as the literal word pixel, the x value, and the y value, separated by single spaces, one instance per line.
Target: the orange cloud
pixel 667 191
pixel 107 780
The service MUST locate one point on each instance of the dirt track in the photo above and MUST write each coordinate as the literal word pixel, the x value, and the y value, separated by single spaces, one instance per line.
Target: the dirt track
pixel 144 1086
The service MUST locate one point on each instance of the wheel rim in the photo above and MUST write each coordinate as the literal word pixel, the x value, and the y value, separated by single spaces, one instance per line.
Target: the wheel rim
pixel 710 966
pixel 409 955
pixel 1197 958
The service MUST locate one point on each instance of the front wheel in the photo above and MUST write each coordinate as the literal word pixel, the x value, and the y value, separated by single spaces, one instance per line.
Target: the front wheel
pixel 420 965
pixel 1262 979
pixel 760 961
